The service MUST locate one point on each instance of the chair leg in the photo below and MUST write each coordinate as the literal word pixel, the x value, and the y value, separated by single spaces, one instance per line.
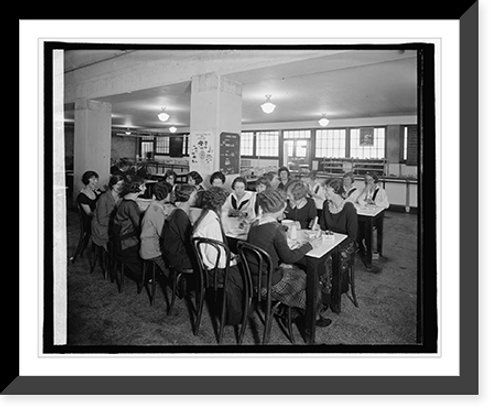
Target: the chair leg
pixel 175 278
pixel 290 324
pixel 353 290
pixel 153 285
pixel 80 247
pixel 199 311
pixel 95 249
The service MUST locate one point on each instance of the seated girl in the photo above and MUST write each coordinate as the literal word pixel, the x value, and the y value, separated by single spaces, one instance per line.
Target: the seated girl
pixel 288 280
pixel 350 193
pixel 300 207
pixel 240 203
pixel 209 225
pixel 338 216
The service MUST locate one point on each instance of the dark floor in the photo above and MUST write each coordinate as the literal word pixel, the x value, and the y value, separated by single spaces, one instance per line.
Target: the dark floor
pixel 98 315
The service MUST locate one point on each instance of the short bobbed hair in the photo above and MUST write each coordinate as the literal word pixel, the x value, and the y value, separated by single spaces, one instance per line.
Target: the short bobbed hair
pixel 336 184
pixel 132 186
pixel 183 192
pixel 214 198
pixel 298 189
pixel 88 175
pixel 263 181
pixel 195 176
pixel 271 200
pixel 239 179
pixel 161 190
pixel 218 175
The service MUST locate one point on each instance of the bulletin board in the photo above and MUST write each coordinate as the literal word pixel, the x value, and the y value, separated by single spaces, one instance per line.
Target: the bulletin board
pixel 229 153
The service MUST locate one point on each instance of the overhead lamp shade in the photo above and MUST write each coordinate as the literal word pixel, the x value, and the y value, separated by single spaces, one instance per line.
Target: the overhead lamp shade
pixel 173 129
pixel 268 107
pixel 163 116
pixel 323 121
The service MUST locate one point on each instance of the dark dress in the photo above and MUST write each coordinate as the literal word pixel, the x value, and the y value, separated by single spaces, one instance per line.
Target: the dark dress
pixel 304 215
pixel 83 199
pixel 343 222
pixel 126 230
pixel 176 245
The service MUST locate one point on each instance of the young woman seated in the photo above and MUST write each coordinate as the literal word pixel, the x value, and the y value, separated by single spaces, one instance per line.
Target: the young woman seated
pixel 340 217
pixel 316 191
pixel 350 193
pixel 152 225
pixel 87 197
pixel 288 280
pixel 300 207
pixel 209 225
pixel 241 202
pixel 127 227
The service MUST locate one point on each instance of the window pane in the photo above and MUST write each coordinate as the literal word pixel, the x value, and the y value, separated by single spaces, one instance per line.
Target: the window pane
pixel 330 143
pixel 267 143
pixel 246 144
pixel 368 151
pixel 162 145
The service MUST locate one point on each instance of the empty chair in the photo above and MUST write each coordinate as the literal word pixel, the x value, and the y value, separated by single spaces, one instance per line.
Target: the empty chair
pixel 260 287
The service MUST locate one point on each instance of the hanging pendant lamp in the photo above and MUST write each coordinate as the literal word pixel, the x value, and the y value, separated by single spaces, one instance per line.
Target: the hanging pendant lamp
pixel 268 107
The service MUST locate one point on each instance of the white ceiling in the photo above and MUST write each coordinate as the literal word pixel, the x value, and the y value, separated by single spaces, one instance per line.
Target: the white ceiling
pixel 343 84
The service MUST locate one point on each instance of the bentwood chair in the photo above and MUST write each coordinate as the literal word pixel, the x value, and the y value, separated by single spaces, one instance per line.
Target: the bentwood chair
pixel 84 234
pixel 261 291
pixel 177 274
pixel 216 279
pixel 352 281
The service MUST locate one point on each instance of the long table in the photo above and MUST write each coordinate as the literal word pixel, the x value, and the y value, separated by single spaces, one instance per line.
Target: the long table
pixel 314 260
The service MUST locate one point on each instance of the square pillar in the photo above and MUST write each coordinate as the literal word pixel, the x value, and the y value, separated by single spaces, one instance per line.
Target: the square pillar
pixel 216 107
pixel 92 147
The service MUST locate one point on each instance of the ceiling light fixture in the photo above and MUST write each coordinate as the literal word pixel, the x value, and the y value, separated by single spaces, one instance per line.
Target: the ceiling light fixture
pixel 323 121
pixel 127 132
pixel 268 107
pixel 163 116
pixel 173 129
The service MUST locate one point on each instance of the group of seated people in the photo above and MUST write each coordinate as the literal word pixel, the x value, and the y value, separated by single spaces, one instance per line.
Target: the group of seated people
pixel 162 233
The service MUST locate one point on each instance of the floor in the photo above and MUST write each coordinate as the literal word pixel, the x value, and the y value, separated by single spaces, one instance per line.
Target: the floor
pixel 99 316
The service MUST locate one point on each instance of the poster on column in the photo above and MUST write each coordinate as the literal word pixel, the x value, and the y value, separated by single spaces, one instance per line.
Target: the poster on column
pixel 230 153
pixel 201 157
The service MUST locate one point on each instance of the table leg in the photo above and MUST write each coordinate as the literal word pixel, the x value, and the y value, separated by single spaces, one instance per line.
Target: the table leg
pixel 336 305
pixel 380 232
pixel 311 293
pixel 369 242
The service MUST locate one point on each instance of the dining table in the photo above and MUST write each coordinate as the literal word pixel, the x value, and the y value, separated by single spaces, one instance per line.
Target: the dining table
pixel 369 215
pixel 237 229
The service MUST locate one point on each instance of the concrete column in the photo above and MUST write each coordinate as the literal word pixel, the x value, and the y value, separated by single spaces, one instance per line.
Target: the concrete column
pixel 92 148
pixel 393 148
pixel 216 107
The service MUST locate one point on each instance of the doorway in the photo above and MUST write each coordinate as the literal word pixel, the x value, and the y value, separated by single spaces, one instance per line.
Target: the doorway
pixel 297 155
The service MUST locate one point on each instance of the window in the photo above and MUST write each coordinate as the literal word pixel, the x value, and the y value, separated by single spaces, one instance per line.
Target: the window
pixel 373 148
pixel 297 134
pixel 405 142
pixel 246 144
pixel 147 148
pixel 267 143
pixel 162 145
pixel 330 143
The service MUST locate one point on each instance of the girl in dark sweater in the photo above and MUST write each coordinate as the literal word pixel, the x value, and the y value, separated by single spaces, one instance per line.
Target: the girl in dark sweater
pixel 300 207
pixel 288 281
pixel 338 216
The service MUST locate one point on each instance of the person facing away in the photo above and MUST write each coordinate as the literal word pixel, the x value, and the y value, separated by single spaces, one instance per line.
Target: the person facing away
pixel 105 209
pixel 152 225
pixel 288 280
pixel 127 227
pixel 176 244
pixel 209 225
pixel 300 207
pixel 240 202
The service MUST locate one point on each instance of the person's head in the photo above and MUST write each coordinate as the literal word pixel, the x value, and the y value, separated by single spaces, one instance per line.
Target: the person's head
pixel 116 182
pixel 296 190
pixel 162 190
pixel 262 183
pixel 239 186
pixel 371 178
pixel 273 178
pixel 272 202
pixel 214 198
pixel 348 179
pixel 217 179
pixel 185 193
pixel 334 189
pixel 90 178
pixel 194 178
pixel 133 187
pixel 312 175
pixel 170 177
pixel 284 174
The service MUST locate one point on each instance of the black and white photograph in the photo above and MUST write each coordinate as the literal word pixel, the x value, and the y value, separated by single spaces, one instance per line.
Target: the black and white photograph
pixel 241 198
